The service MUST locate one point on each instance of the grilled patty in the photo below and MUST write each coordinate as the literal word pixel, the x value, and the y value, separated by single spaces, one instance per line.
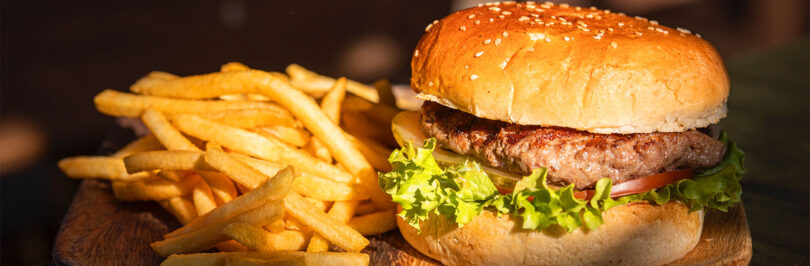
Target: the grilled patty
pixel 571 156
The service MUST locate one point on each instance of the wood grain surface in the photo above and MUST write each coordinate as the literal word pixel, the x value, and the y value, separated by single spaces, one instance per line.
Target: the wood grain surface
pixel 99 230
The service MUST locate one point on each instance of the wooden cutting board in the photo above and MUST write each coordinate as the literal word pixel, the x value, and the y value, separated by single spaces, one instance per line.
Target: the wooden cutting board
pixel 99 230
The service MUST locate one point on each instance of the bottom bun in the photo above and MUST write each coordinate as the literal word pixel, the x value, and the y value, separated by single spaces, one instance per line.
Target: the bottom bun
pixel 633 234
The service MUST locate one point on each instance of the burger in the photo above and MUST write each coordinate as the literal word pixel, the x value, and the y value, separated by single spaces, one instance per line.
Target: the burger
pixel 560 135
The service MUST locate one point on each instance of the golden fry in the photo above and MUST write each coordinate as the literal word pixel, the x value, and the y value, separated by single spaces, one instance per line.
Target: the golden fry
pixel 256 145
pixel 209 236
pixel 315 83
pixel 117 103
pixel 103 167
pixel 274 189
pixel 374 223
pixel 240 172
pixel 165 133
pixel 203 198
pixel 289 135
pixel 153 189
pixel 233 67
pixel 166 160
pixel 231 246
pixel 249 118
pixel 221 186
pixel 146 143
pixel 181 208
pixel 342 211
pixel 256 238
pixel 339 234
pixel 314 259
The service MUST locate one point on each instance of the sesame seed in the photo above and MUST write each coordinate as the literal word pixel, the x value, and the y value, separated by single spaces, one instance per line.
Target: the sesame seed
pixel 566 38
pixel 430 83
pixel 577 8
pixel 506 13
pixel 487 41
pixel 480 5
pixel 428 27
pixel 501 16
pixel 640 18
pixel 471 16
pixel 478 54
pixel 462 28
pixel 639 33
pixel 654 22
pixel 505 34
pixel 523 18
pixel 467 67
pixel 548 40
pixel 585 29
pixel 503 64
pixel 536 36
pixel 491 19
pixel 620 24
pixel 683 30
pixel 416 53
pixel 610 29
pixel 496 9
pixel 497 41
pixel 614 45
pixel 598 37
pixel 477 22
pixel 564 5
pixel 698 35
pixel 592 8
pixel 473 77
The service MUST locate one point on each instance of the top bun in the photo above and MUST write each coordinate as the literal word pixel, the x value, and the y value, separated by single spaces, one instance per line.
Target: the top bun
pixel 580 68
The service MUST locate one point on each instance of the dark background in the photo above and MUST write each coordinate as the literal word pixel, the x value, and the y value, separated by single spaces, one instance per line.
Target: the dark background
pixel 56 55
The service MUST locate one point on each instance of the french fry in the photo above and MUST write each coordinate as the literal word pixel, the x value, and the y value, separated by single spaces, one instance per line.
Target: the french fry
pixel 316 258
pixel 102 167
pixel 314 82
pixel 249 118
pixel 380 113
pixel 273 189
pixel 341 235
pixel 374 223
pixel 166 160
pixel 117 103
pixel 221 186
pixel 160 75
pixel 371 150
pixel 308 184
pixel 331 106
pixel 256 238
pixel 231 246
pixel 248 261
pixel 293 224
pixel 330 135
pixel 256 145
pixel 383 87
pixel 321 205
pixel 233 67
pixel 153 189
pixel 146 143
pixel 240 172
pixel 281 92
pixel 289 135
pixel 211 235
pixel 203 198
pixel 172 175
pixel 165 133
pixel 180 208
pixel 359 125
pixel 342 211
pixel 275 227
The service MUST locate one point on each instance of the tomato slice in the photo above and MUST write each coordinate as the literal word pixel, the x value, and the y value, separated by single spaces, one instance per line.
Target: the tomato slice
pixel 634 186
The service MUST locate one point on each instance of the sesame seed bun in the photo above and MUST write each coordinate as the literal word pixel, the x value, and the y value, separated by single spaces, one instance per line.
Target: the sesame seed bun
pixel 581 68
pixel 633 234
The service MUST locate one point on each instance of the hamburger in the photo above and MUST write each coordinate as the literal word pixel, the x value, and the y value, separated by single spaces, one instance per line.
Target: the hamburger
pixel 560 135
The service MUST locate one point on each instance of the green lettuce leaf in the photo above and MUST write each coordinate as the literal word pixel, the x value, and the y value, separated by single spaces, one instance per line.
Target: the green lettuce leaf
pixel 460 192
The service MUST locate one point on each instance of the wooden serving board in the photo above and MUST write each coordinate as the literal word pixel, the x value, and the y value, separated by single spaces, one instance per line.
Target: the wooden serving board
pixel 99 230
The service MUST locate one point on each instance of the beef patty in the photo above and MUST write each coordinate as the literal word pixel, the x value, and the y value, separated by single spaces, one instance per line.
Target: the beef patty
pixel 571 156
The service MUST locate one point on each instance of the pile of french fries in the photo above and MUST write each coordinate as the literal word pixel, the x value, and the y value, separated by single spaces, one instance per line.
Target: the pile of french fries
pixel 266 167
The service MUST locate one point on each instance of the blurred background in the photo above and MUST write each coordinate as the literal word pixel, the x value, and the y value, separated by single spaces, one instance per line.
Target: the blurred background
pixel 56 55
